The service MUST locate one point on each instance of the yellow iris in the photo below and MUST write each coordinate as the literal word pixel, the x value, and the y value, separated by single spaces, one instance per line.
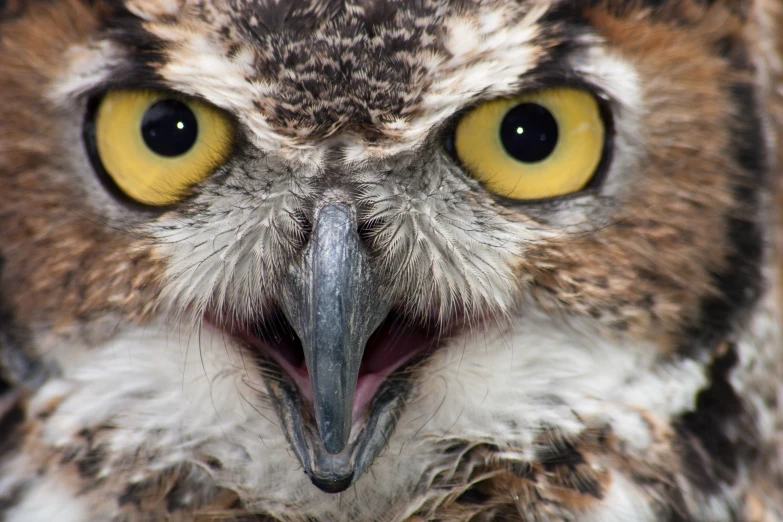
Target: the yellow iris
pixel 539 145
pixel 156 147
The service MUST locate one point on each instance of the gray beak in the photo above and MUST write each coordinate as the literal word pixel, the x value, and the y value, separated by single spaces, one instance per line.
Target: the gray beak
pixel 334 303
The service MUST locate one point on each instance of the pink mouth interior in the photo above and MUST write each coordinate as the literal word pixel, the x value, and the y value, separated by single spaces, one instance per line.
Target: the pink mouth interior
pixel 392 344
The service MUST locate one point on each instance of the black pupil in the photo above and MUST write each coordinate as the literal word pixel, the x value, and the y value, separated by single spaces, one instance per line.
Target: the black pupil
pixel 529 133
pixel 169 128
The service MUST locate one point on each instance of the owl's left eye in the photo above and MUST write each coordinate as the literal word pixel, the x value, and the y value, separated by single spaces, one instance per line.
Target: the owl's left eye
pixel 155 147
pixel 540 145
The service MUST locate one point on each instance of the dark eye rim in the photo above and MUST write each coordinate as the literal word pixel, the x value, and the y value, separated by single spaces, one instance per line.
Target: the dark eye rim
pixel 596 180
pixel 106 180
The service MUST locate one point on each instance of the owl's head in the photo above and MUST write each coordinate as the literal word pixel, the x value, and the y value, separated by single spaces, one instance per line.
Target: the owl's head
pixel 352 196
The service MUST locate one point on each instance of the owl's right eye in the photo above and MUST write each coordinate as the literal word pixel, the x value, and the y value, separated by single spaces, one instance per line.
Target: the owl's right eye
pixel 155 147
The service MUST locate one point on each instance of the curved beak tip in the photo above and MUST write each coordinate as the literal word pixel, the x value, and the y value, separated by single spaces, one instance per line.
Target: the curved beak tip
pixel 332 484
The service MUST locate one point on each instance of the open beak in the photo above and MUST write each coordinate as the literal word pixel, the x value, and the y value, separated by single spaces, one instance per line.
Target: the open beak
pixel 334 303
pixel 337 333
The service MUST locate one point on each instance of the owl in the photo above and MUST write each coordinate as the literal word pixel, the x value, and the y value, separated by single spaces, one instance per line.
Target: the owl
pixel 391 260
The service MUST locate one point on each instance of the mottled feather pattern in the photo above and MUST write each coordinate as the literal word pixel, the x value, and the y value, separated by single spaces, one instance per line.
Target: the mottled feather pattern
pixel 619 355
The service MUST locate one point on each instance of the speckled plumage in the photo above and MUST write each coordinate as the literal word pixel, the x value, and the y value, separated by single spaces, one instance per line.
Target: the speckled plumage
pixel 618 355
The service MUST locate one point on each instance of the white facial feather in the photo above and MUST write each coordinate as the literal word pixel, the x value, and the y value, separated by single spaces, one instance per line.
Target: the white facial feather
pixel 48 500
pixel 181 396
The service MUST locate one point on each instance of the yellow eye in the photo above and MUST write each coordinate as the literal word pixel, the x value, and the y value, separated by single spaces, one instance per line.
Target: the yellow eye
pixel 155 146
pixel 540 145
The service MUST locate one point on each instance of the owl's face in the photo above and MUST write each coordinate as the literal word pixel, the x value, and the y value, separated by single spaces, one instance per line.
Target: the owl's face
pixel 348 237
